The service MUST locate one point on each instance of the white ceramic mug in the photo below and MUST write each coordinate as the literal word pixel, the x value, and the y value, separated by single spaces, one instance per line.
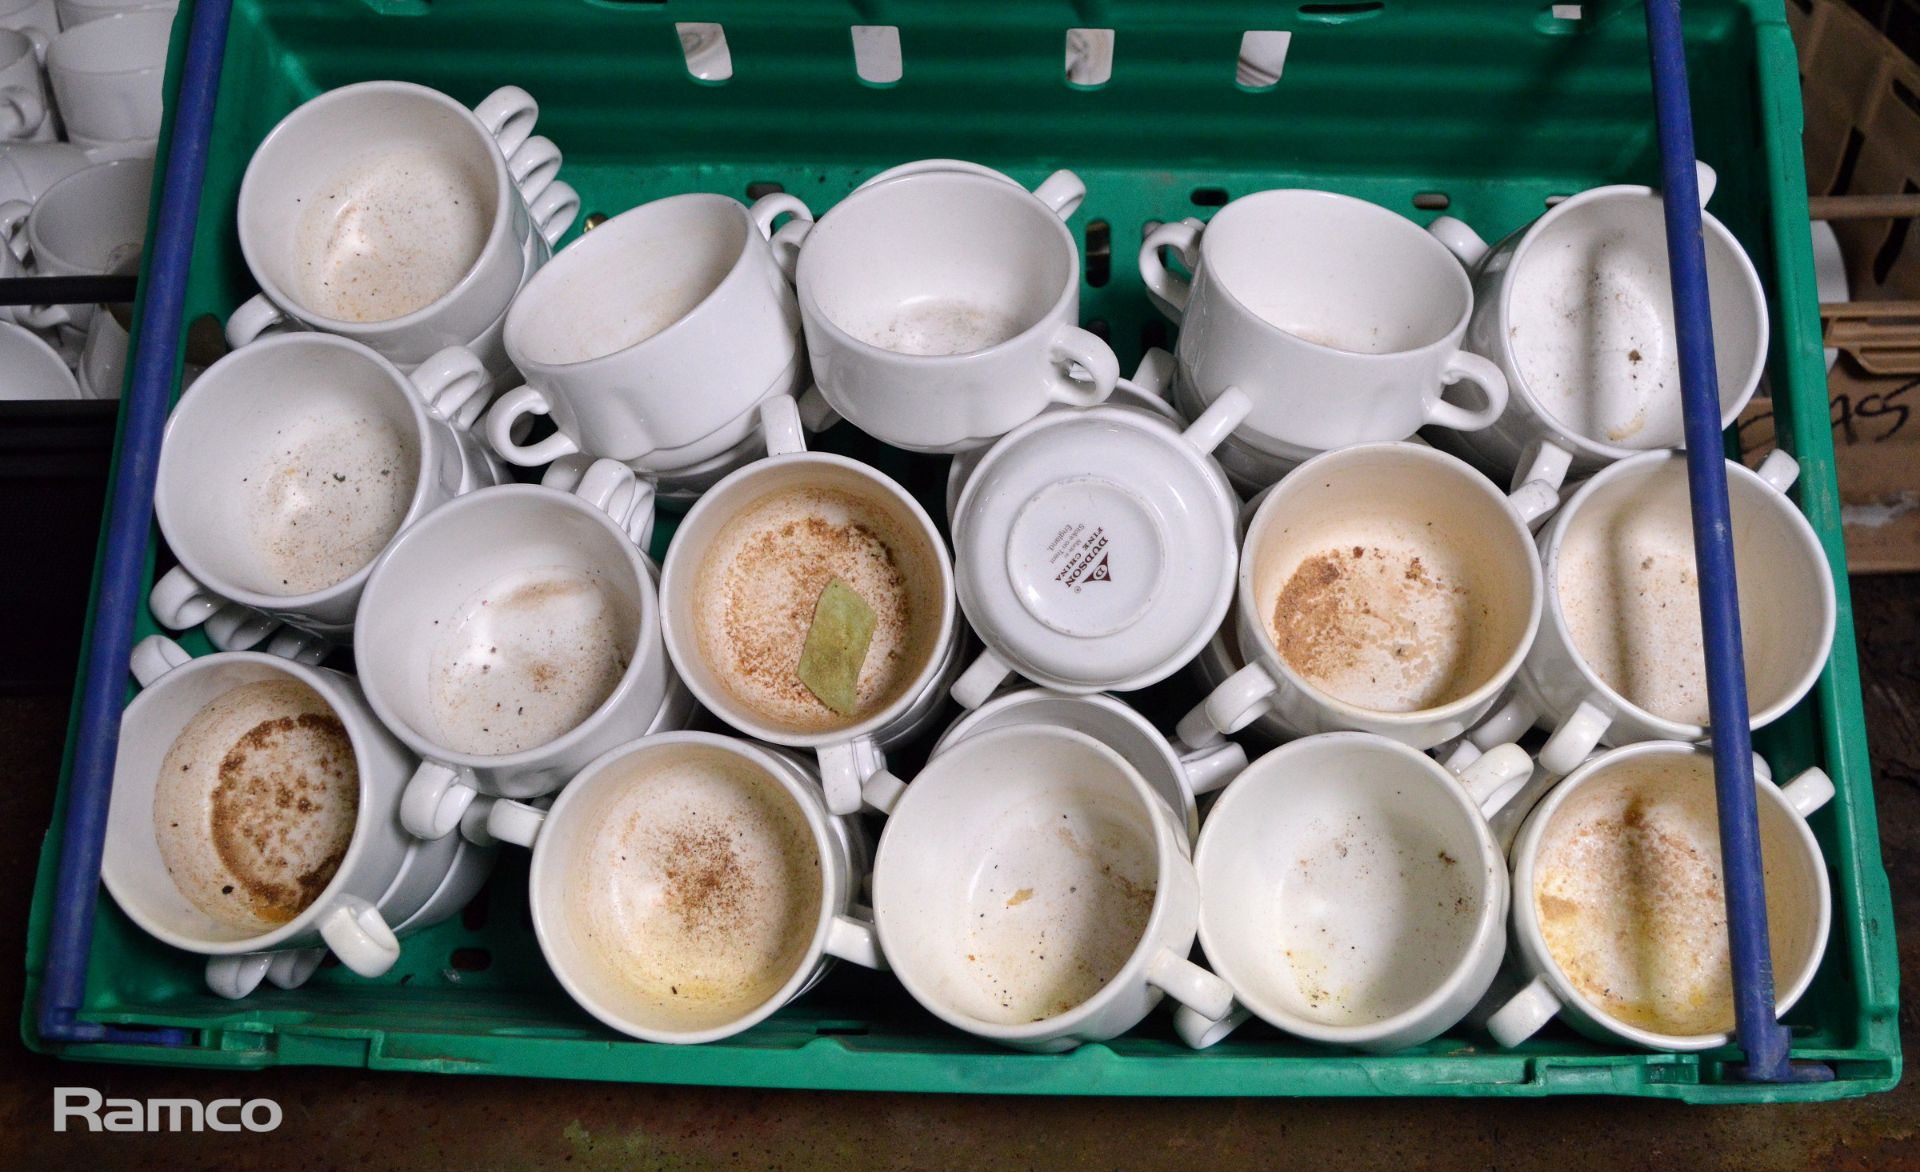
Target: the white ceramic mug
pixel 78 12
pixel 26 115
pixel 1352 893
pixel 1619 656
pixel 1176 771
pixel 1625 854
pixel 851 749
pixel 550 588
pixel 941 306
pixel 610 857
pixel 103 357
pixel 1095 549
pixel 436 282
pixel 91 223
pixel 654 338
pixel 382 880
pixel 1031 889
pixel 1340 320
pixel 1251 470
pixel 1410 591
pixel 293 461
pixel 28 169
pixel 1577 310
pixel 33 368
pixel 108 77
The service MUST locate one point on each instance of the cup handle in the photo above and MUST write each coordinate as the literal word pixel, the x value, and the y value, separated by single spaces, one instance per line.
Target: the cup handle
pixel 508 113
pixel 1534 501
pixel 516 822
pixel 1577 736
pixel 1466 366
pixel 435 798
pixel 45 317
pixel 153 657
pixel 611 487
pixel 238 628
pixel 358 935
pixel 1063 191
pixel 1489 779
pixel 769 208
pixel 507 411
pixel 1523 1015
pixel 179 601
pixel 786 245
pixel 1189 984
pixel 13 223
pixel 782 426
pixel 845 769
pixel 40 39
pixel 255 316
pixel 1463 242
pixel 1154 375
pixel 816 414
pixel 1543 460
pixel 1217 422
pixel 534 166
pixel 1213 767
pixel 1075 345
pixel 299 646
pixel 1199 1031
pixel 1508 723
pixel 291 968
pixel 1168 291
pixel 855 940
pixel 881 792
pixel 1235 704
pixel 1707 180
pixel 1779 470
pixel 453 383
pixel 1809 791
pixel 234 977
pixel 553 211
pixel 983 676
pixel 27 108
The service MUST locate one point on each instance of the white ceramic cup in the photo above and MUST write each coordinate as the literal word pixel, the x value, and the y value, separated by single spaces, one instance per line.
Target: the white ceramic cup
pixel 26 114
pixel 1577 310
pixel 382 880
pixel 1619 656
pixel 1215 665
pixel 1032 889
pixel 1095 549
pixel 102 368
pixel 108 77
pixel 304 454
pixel 1652 807
pixel 1411 591
pixel 350 139
pixel 1340 320
pixel 1251 470
pixel 1176 771
pixel 27 169
pixel 654 338
pixel 575 899
pixel 1352 893
pixel 33 370
pixel 941 306
pixel 575 636
pixel 91 223
pixel 851 750
pixel 74 13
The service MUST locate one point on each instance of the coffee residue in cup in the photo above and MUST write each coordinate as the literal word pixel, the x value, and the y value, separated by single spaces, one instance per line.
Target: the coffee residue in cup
pixel 1378 626
pixel 707 886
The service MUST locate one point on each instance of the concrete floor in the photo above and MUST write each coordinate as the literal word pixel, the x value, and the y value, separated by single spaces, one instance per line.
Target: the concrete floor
pixel 340 1118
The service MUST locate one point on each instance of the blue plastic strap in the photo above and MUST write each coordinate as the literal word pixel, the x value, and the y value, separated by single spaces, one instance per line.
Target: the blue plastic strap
pixel 1759 1032
pixel 129 516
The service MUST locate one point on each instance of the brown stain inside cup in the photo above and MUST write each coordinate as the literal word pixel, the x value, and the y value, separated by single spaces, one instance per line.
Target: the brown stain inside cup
pixel 271 782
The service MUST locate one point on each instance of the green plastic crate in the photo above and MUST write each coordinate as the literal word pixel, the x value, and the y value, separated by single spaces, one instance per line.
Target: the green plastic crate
pixel 1494 105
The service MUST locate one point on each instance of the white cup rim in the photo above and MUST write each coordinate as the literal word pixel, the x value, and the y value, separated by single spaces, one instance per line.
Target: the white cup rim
pixel 683 649
pixel 1489 923
pixel 1583 444
pixel 1284 672
pixel 188 409
pixel 554 279
pixel 504 196
pixel 1803 533
pixel 1060 1024
pixel 366 814
pixel 783 773
pixel 1526 848
pixel 534 755
pixel 880 188
pixel 57 62
pixel 1417 238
